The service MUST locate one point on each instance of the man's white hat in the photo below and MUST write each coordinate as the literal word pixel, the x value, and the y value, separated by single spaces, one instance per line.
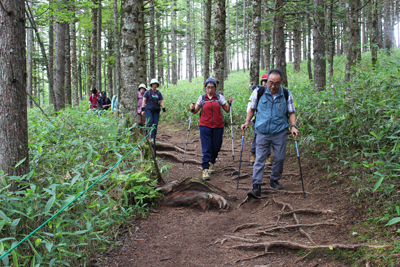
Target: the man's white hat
pixel 154 80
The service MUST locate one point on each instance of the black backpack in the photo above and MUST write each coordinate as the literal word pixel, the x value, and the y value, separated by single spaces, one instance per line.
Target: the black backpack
pixel 261 91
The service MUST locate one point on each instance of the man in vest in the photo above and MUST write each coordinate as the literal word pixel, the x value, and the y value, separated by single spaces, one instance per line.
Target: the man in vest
pixel 271 126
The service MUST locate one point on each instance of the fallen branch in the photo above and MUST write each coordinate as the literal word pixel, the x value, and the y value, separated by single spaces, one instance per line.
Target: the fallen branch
pixel 292 245
pixel 168 154
pixel 308 211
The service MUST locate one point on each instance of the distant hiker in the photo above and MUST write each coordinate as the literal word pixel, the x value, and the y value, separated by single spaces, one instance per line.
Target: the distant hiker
pixel 211 124
pixel 264 79
pixel 142 117
pixel 93 98
pixel 271 127
pixel 104 103
pixel 152 100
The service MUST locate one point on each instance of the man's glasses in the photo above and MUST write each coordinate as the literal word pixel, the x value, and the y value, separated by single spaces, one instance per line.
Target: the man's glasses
pixel 274 84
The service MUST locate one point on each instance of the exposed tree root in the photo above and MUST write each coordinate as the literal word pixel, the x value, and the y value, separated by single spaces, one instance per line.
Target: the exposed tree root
pixel 237 238
pixel 253 257
pixel 293 226
pixel 266 204
pixel 243 175
pixel 304 233
pixel 177 148
pixel 302 258
pixel 244 201
pixel 248 225
pixel 308 211
pixel 292 245
pixel 229 168
pixel 169 154
pixel 270 190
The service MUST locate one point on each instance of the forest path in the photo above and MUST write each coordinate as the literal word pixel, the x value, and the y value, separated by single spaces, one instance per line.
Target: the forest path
pixel 187 236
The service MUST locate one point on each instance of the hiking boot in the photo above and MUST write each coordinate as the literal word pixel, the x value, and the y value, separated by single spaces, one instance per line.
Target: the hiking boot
pixel 255 192
pixel 211 169
pixel 206 175
pixel 275 185
pixel 253 158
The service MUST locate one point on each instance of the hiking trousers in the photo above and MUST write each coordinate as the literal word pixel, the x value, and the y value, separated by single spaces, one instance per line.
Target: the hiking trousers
pixel 263 147
pixel 152 118
pixel 211 142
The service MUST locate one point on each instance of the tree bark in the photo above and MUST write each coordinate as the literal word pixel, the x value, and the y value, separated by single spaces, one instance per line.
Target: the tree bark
pixel 168 58
pixel 380 31
pixel 116 49
pixel 189 70
pixel 129 61
pixel 160 41
pixel 29 42
pixel 330 43
pixel 244 37
pixel 219 43
pixel 388 28
pixel 255 44
pixel 152 41
pixel 207 39
pixel 237 36
pixel 227 43
pixel 98 48
pixel 74 61
pixel 280 41
pixel 110 82
pixel 50 70
pixel 296 45
pixel 59 82
pixel 13 96
pixel 319 46
pixel 309 71
pixel 289 41
pixel 374 32
pixel 67 86
pixel 174 74
pixel 93 44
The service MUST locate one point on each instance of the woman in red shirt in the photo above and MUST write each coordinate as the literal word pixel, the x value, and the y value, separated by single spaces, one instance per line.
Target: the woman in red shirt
pixel 211 124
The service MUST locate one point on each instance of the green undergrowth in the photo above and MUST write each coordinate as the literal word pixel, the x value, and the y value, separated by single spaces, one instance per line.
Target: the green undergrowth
pixel 354 135
pixel 66 156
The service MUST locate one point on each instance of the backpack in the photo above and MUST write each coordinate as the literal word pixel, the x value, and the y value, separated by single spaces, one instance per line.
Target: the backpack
pixel 261 91
pixel 203 100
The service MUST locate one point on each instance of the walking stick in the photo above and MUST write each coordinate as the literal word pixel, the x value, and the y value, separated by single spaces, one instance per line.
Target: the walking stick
pixel 230 110
pixel 240 161
pixel 187 138
pixel 301 174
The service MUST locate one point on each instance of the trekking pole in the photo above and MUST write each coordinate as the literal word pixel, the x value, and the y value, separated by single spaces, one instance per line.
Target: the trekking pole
pixel 187 138
pixel 230 111
pixel 240 161
pixel 154 141
pixel 301 174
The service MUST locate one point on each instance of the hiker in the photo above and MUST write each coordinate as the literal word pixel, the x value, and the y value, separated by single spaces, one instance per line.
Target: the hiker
pixel 141 117
pixel 152 100
pixel 274 106
pixel 93 99
pixel 264 79
pixel 104 103
pixel 211 124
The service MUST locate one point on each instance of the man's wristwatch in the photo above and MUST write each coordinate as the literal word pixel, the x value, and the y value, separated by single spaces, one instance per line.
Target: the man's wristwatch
pixel 295 126
pixel 142 109
pixel 163 109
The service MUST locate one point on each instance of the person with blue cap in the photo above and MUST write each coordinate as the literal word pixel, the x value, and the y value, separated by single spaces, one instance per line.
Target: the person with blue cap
pixel 211 124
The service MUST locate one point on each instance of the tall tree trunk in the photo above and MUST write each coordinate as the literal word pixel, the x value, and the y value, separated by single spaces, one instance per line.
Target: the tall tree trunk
pixel 111 91
pixel 168 58
pixel 374 32
pixel 59 83
pixel 93 44
pixel 189 70
pixel 244 37
pixel 309 71
pixel 305 36
pixel 74 61
pixel 174 75
pixel 129 61
pixel 255 44
pixel 364 23
pixel 262 53
pixel 290 36
pixel 237 36
pixel 330 43
pixel 68 95
pixel 80 80
pixel 116 49
pixel 219 43
pixel 227 43
pixel 319 46
pixel 50 71
pixel 98 46
pixel 152 41
pixel 29 42
pixel 280 41
pixel 207 39
pixel 380 35
pixel 194 41
pixel 296 45
pixel 160 41
pixel 13 97
pixel 142 45
pixel 388 28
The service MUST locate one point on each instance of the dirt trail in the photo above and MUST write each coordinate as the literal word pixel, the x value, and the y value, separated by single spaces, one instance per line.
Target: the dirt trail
pixel 192 237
